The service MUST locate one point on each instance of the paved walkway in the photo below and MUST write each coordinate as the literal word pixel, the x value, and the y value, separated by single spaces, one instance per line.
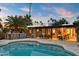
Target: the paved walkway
pixel 71 46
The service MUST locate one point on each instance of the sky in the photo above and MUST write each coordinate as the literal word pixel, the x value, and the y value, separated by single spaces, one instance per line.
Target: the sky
pixel 41 11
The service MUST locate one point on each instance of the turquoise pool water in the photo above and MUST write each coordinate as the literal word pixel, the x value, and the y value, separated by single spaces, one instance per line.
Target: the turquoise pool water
pixel 33 49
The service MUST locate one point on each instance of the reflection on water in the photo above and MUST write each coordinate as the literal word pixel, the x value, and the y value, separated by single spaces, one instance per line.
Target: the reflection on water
pixel 3 52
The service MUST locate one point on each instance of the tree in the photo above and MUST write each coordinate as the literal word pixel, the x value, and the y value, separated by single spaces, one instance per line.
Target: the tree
pixel 41 22
pixel 63 21
pixel 53 20
pixel 0 20
pixel 1 23
pixel 36 22
pixel 1 30
pixel 28 20
pixel 60 22
pixel 18 23
pixel 76 23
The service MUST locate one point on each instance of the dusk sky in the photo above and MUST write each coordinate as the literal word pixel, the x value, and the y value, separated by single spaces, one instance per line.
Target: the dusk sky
pixel 41 11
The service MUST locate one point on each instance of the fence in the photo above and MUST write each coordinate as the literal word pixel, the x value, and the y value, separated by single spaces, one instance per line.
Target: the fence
pixel 15 36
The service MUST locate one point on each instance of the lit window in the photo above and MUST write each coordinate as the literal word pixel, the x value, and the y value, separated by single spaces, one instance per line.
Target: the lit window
pixel 68 31
pixel 71 32
pixel 37 30
pixel 53 30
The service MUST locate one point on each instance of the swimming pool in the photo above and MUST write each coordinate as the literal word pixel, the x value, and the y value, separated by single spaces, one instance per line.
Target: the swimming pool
pixel 33 48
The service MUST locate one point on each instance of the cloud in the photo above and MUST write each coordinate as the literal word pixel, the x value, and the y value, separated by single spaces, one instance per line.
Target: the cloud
pixel 41 17
pixel 25 9
pixel 3 8
pixel 38 17
pixel 63 12
pixel 3 16
pixel 44 19
pixel 59 11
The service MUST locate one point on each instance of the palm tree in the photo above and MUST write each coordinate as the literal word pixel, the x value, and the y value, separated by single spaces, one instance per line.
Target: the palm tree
pixel 35 22
pixel 18 22
pixel 41 22
pixel 28 20
pixel 15 22
pixel 54 22
pixel 60 22
pixel 1 30
pixel 63 21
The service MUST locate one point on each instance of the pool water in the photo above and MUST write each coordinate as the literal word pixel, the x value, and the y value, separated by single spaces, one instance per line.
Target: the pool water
pixel 33 49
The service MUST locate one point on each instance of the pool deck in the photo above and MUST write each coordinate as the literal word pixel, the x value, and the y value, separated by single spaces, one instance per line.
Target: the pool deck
pixel 70 46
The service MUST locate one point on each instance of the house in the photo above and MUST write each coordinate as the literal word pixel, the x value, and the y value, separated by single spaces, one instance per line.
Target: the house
pixel 67 32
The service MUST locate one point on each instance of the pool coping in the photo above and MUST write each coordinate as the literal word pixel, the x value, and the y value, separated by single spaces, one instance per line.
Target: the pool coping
pixel 72 47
